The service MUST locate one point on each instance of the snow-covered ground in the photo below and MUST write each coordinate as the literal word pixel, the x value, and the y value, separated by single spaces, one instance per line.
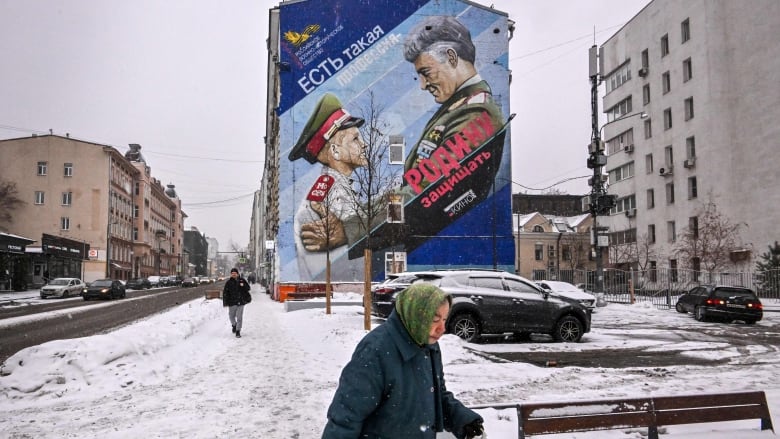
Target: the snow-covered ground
pixel 182 374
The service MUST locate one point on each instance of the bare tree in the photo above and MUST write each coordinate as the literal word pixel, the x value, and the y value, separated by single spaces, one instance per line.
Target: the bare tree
pixel 710 239
pixel 373 185
pixel 577 250
pixel 9 201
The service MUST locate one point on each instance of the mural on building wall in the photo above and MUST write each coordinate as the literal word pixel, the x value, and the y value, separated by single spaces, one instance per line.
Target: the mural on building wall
pixel 438 70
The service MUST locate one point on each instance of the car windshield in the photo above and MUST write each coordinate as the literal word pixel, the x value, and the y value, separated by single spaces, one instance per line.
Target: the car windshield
pixel 101 283
pixel 59 282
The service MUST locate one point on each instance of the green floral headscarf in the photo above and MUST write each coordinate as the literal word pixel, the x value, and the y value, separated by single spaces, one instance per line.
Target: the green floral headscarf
pixel 417 307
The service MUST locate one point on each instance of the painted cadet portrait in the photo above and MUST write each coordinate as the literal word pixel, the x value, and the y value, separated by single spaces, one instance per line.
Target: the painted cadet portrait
pixel 331 137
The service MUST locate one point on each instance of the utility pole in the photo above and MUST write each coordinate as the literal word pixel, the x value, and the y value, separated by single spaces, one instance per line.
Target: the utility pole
pixel 600 202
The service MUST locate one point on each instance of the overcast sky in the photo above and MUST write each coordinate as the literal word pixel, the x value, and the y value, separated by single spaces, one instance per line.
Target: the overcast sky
pixel 186 80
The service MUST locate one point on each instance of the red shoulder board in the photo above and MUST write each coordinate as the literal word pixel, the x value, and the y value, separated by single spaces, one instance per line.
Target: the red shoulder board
pixel 320 188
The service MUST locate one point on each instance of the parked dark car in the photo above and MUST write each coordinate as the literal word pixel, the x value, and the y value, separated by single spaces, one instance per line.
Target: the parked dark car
pixel 497 302
pixel 139 283
pixel 189 282
pixel 383 294
pixel 722 303
pixel 104 289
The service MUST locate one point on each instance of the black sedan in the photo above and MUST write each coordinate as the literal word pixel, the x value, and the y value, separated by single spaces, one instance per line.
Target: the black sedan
pixel 383 294
pixel 722 303
pixel 139 283
pixel 104 289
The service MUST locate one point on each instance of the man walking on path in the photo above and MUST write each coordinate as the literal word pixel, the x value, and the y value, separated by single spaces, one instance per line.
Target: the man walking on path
pixel 234 296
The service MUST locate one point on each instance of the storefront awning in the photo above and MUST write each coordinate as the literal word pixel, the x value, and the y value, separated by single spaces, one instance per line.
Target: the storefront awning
pixel 13 243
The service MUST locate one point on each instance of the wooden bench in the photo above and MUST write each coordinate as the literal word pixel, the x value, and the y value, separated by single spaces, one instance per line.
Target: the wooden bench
pixel 650 412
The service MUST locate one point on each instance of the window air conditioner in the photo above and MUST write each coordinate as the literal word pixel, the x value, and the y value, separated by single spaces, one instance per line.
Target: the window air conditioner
pixel 629 148
pixel 665 171
pixel 689 163
pixel 643 72
pixel 631 213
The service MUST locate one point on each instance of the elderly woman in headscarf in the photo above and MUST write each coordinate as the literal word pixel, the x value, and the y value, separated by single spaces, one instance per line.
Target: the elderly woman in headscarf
pixel 393 387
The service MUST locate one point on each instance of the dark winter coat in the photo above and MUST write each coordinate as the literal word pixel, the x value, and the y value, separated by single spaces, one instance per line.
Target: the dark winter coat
pixel 388 390
pixel 232 293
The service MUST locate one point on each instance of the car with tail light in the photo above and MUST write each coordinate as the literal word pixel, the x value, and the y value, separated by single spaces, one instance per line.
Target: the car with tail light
pixel 721 302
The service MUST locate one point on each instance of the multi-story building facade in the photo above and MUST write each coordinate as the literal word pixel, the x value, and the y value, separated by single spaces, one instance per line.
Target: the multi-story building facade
pixel 89 206
pixel 552 237
pixel 158 222
pixel 553 247
pixel 703 76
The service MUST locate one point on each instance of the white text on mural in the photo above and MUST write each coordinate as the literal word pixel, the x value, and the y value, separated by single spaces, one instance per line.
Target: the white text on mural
pixel 328 67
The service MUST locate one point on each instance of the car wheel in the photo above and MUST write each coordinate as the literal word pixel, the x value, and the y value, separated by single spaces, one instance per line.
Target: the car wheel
pixel 85 298
pixel 679 308
pixel 568 329
pixel 699 314
pixel 465 326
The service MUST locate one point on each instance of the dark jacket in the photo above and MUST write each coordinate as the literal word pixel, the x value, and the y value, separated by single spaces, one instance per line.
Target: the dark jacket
pixel 232 292
pixel 388 390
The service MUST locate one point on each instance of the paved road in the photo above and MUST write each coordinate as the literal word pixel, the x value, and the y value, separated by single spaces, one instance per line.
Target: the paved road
pixel 719 335
pixel 36 322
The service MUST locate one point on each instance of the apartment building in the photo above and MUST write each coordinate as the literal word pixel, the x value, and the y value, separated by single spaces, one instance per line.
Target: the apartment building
pixel 701 78
pixel 93 211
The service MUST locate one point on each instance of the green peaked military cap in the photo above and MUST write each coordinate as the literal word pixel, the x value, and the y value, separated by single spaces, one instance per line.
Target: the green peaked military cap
pixel 328 117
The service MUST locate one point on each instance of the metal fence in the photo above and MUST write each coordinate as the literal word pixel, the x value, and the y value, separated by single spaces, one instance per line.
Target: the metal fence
pixel 662 286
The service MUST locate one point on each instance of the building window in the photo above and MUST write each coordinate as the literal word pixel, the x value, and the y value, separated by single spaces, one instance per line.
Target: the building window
pixel 649 164
pixel 566 252
pixel 618 77
pixel 624 204
pixel 67 198
pixel 137 187
pixel 669 156
pixel 621 173
pixel 670 232
pixel 668 119
pixel 551 251
pixel 693 225
pixel 664 45
pixel 687 70
pixel 136 211
pixel 690 147
pixel 39 197
pixel 619 110
pixel 689 108
pixel 692 190
pixel 666 82
pixel 651 233
pixel 670 193
pixel 673 270
pixel 539 252
pixel 395 209
pixel 646 94
pixel 64 223
pixel 650 198
pixel 68 170
pixel 135 233
pixel 648 129
pixel 42 168
pixel 538 229
pixel 653 270
pixel 619 142
pixel 645 59
pixel 685 30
